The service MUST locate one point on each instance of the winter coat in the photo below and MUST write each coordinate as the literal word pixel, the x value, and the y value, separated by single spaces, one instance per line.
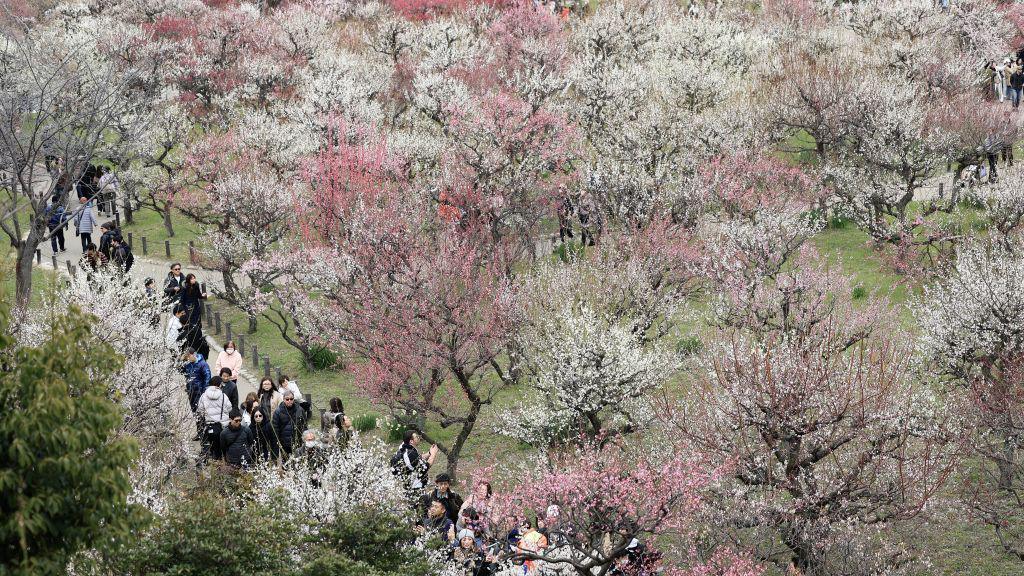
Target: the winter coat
pixel 56 219
pixel 170 284
pixel 266 441
pixel 225 360
pixel 198 374
pixel 173 333
pixel 407 462
pixel 270 402
pixel 106 242
pixel 191 299
pixel 123 257
pixel 236 445
pixel 85 222
pixel 289 424
pixel 214 406
pixel 230 390
pixel 452 502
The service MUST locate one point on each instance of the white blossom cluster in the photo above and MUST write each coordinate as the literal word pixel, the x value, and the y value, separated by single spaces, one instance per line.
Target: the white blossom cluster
pixel 356 477
pixel 587 354
pixel 149 387
pixel 976 311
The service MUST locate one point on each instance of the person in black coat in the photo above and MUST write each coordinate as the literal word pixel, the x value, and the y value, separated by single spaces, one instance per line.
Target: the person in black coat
pixel 173 284
pixel 229 387
pixel 263 434
pixel 236 441
pixel 192 297
pixel 108 233
pixel 289 423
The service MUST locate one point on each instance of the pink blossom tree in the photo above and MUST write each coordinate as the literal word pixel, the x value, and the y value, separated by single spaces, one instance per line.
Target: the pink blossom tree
pixel 425 302
pixel 598 504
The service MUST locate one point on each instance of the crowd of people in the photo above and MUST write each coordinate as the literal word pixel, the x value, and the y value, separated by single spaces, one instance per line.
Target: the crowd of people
pixel 273 425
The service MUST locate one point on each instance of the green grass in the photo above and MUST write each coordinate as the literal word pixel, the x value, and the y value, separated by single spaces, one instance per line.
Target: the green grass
pixel 150 225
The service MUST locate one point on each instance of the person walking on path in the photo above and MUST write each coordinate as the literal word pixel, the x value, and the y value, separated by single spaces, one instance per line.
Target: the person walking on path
pixel 173 284
pixel 1016 85
pixel 121 254
pixel 237 441
pixel 289 423
pixel 56 222
pixel 214 410
pixel 198 373
pixel 85 223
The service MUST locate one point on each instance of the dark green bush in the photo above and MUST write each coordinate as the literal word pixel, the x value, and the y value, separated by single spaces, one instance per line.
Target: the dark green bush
pixel 321 358
pixel 859 292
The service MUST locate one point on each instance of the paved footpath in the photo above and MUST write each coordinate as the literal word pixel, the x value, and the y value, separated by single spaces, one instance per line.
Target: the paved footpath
pixel 143 268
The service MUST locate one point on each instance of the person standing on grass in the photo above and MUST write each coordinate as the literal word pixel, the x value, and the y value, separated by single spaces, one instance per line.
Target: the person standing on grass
pixel 443 493
pixel 85 223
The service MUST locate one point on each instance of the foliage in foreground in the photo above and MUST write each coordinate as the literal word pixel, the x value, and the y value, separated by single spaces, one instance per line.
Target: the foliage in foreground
pixel 63 472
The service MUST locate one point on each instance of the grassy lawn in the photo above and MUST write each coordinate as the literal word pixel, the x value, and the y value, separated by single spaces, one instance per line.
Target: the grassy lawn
pixel 150 225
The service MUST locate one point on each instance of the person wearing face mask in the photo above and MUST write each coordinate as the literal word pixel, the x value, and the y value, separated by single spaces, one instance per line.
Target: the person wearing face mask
pixel 314 453
pixel 231 358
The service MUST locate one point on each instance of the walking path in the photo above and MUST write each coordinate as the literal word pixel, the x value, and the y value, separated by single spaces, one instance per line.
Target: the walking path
pixel 143 268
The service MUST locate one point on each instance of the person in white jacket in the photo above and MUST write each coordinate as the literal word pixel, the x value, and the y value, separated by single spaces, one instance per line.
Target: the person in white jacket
pixel 174 327
pixel 215 410
pixel 284 384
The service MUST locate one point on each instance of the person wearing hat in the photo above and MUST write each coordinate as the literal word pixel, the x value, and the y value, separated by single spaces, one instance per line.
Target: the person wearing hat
pixel 443 493
pixel 467 553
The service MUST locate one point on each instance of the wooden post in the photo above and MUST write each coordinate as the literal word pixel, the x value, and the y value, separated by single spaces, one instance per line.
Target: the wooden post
pixel 145 248
pixel 127 210
pixel 117 219
pixel 323 425
pixel 54 259
pixel 266 366
pixel 227 331
pixel 192 252
pixel 71 269
pixel 277 372
pixel 131 244
pixel 167 247
pixel 208 309
pixel 940 190
pixel 216 322
pixel 241 344
pixel 255 357
pixel 39 256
